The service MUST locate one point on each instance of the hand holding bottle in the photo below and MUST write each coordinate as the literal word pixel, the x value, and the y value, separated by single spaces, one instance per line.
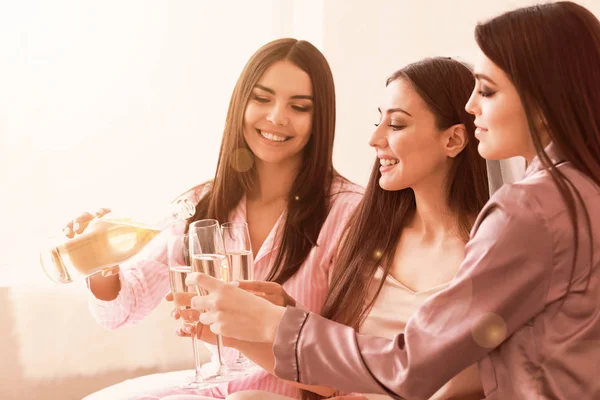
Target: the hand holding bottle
pixel 79 224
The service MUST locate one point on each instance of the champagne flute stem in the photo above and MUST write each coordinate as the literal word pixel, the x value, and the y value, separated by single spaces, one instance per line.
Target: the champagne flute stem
pixel 219 350
pixel 198 367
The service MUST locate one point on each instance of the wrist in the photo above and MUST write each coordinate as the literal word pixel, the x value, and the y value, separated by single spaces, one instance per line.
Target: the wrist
pixel 105 288
pixel 274 316
pixel 291 302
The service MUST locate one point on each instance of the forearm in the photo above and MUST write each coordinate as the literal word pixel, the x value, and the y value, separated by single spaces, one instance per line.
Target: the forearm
pixel 338 347
pixel 142 288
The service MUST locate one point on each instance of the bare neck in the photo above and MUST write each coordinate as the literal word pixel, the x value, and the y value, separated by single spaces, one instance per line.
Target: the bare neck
pixel 274 181
pixel 433 221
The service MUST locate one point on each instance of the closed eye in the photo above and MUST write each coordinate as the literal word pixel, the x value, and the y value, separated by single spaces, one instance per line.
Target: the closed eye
pixel 397 127
pixel 394 127
pixel 486 94
pixel 302 108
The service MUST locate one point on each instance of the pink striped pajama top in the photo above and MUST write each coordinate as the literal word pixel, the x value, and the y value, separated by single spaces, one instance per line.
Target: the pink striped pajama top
pixel 145 279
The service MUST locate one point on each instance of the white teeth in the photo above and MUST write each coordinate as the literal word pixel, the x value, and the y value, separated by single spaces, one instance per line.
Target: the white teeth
pixel 385 162
pixel 272 137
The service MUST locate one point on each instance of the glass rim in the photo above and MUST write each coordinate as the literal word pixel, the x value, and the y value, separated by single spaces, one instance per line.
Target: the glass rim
pixel 204 223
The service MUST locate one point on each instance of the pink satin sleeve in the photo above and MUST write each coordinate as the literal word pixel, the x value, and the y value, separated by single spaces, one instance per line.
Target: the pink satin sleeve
pixel 502 283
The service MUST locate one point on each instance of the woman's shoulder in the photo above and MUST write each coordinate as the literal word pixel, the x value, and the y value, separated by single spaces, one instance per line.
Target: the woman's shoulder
pixel 537 192
pixel 344 195
pixel 344 188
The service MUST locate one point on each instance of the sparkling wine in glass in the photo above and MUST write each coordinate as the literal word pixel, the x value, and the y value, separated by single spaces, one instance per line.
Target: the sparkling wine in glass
pixel 236 239
pixel 182 295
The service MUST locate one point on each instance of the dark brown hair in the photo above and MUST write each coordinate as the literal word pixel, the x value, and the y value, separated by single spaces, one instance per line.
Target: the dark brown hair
pixel 551 53
pixel 308 200
pixel 371 237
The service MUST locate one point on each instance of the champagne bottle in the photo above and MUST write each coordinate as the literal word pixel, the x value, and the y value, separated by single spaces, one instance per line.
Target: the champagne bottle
pixel 107 241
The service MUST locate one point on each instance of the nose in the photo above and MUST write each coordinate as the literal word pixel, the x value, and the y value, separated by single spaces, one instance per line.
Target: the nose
pixel 472 106
pixel 277 115
pixel 378 137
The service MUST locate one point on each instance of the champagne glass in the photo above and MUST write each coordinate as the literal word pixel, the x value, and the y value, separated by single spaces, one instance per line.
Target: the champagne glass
pixel 208 256
pixel 238 248
pixel 179 268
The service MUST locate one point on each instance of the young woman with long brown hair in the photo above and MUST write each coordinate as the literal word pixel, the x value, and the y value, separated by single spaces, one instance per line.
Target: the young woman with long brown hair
pixel 274 172
pixel 524 302
pixel 407 239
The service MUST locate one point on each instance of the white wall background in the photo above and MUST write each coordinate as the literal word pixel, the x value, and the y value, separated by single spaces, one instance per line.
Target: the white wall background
pixel 113 103
pixel 366 41
pixel 122 103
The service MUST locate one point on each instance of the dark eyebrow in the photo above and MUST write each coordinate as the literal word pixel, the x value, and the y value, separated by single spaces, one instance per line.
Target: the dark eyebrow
pixel 484 78
pixel 393 110
pixel 269 90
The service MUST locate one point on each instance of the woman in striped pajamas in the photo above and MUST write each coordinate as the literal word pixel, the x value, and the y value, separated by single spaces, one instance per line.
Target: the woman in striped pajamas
pixel 274 172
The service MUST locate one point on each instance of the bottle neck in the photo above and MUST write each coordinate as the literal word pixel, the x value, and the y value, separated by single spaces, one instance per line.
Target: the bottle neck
pixel 179 211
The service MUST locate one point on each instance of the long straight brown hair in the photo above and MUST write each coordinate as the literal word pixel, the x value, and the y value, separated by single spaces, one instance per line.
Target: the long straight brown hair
pixel 308 200
pixel 371 237
pixel 551 53
pixel 372 233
